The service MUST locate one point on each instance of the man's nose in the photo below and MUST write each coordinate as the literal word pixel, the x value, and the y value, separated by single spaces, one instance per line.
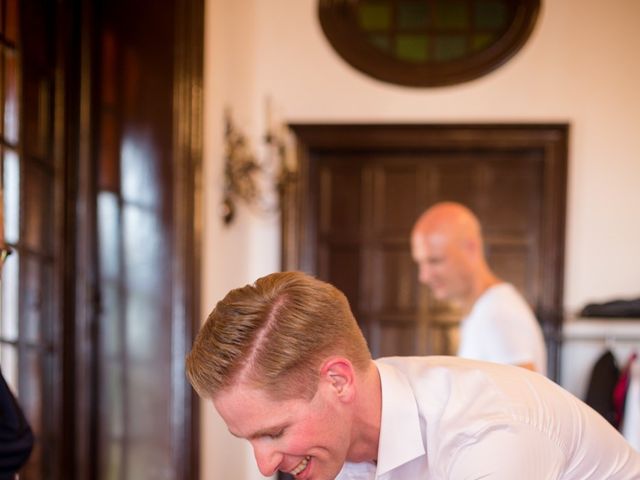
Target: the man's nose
pixel 267 458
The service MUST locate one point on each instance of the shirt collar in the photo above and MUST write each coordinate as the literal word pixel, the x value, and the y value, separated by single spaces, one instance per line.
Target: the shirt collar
pixel 400 433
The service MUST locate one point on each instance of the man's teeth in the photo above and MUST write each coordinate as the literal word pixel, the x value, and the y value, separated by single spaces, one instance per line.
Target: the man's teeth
pixel 301 466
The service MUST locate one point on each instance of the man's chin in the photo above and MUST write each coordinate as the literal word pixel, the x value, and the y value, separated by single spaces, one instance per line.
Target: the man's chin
pixel 440 294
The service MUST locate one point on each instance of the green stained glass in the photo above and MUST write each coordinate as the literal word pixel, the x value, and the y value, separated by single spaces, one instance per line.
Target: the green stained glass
pixel 452 14
pixel 490 14
pixel 412 48
pixel 412 14
pixel 374 16
pixel 481 41
pixel 380 41
pixel 450 47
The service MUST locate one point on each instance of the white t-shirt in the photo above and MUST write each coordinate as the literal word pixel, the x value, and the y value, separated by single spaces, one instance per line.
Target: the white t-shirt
pixel 501 328
pixel 448 418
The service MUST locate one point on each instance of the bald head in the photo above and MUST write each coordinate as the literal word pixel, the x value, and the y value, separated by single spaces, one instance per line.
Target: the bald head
pixel 450 219
pixel 446 243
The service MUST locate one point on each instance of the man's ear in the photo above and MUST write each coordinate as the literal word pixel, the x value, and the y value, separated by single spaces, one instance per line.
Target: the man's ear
pixel 338 374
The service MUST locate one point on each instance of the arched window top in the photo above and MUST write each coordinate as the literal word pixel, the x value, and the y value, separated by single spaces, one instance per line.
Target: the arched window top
pixel 425 43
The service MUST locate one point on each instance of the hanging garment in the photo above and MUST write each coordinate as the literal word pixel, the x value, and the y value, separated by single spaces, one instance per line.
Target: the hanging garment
pixel 620 391
pixel 631 420
pixel 604 377
pixel 16 438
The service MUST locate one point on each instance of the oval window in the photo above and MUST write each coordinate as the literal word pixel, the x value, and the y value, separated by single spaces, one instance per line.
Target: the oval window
pixel 426 43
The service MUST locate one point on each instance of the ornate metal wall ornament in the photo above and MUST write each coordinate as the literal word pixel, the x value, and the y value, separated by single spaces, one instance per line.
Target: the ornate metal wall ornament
pixel 257 182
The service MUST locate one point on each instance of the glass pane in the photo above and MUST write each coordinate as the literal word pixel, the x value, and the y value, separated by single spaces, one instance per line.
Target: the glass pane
pixel 36 288
pixel 108 172
pixel 113 422
pixel 11 196
pixel 32 403
pixel 452 14
pixel 481 41
pixel 10 290
pixel 491 14
pixel 141 160
pixel 109 239
pixel 450 47
pixel 412 14
pixel 147 395
pixel 36 129
pixel 109 235
pixel 374 16
pixel 37 211
pixel 31 388
pixel 11 120
pixel 412 48
pixel 11 26
pixel 9 364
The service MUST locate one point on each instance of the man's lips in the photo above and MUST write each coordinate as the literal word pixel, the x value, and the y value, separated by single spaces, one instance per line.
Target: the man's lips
pixel 301 466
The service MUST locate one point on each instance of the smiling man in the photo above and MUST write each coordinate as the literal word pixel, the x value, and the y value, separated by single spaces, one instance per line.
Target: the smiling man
pixel 287 368
pixel 498 324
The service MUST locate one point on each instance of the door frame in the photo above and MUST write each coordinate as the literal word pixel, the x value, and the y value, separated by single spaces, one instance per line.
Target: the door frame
pixel 298 223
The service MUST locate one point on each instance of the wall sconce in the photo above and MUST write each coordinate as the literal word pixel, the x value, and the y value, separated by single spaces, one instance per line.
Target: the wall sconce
pixel 258 183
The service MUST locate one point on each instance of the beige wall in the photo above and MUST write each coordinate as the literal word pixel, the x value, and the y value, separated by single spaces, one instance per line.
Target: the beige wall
pixel 580 66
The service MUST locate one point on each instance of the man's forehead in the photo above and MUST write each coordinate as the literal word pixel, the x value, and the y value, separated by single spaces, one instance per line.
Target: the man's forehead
pixel 424 243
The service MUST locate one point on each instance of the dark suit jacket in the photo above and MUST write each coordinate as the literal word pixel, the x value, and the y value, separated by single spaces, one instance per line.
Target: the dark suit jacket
pixel 16 438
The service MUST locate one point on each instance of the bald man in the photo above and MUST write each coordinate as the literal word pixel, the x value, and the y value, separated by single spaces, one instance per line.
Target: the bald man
pixel 498 324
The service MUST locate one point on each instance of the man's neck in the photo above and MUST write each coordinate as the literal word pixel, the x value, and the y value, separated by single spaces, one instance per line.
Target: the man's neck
pixel 483 282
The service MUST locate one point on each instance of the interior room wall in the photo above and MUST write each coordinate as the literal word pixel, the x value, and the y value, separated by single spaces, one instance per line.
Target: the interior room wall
pixel 579 66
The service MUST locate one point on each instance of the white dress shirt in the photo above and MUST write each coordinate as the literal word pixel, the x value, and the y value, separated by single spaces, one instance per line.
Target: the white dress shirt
pixel 447 418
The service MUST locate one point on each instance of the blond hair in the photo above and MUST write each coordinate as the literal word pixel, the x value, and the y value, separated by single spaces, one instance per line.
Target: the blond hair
pixel 274 335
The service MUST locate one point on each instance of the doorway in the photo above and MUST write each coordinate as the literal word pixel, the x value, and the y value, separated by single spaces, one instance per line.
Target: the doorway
pixel 348 216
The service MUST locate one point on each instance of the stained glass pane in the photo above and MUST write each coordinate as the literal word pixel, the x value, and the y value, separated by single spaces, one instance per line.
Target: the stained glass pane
pixel 412 48
pixel 450 47
pixel 374 16
pixel 413 14
pixel 481 41
pixel 490 14
pixel 452 14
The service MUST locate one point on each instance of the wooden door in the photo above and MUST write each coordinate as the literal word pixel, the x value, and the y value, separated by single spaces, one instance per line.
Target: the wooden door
pixel 360 188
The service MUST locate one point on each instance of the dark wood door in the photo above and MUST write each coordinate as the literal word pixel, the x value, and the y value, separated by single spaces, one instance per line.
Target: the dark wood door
pixel 360 188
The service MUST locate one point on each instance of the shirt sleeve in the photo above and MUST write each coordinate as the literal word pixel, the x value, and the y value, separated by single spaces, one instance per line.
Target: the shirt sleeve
pixel 523 453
